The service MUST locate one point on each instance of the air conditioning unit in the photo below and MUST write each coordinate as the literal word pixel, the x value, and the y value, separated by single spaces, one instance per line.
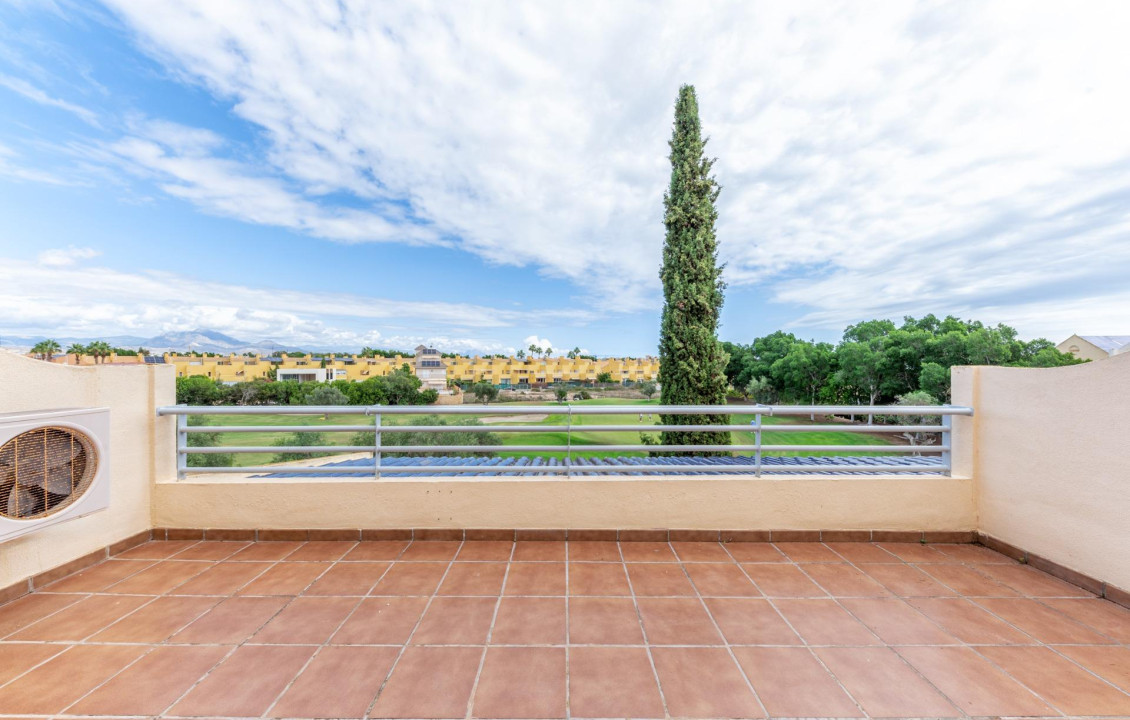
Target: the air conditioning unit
pixel 54 467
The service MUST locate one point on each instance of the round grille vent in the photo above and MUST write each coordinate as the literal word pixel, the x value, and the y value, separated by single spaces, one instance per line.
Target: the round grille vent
pixel 43 471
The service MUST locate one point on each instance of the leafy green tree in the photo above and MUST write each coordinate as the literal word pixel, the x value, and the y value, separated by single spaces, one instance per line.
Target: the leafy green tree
pixel 299 439
pixel 648 388
pixel 328 395
pixel 691 360
pixel 561 394
pixel 934 380
pixel 804 370
pixel 861 367
pixel 604 377
pixel 484 392
pixel 198 390
pixel 206 439
pixel 46 349
pixel 917 398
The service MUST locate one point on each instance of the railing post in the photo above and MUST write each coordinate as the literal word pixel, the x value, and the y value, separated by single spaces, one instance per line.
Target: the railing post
pixel 377 445
pixel 947 424
pixel 757 442
pixel 569 444
pixel 182 445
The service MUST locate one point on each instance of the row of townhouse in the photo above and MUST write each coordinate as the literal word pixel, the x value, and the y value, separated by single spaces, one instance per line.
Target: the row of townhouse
pixel 432 369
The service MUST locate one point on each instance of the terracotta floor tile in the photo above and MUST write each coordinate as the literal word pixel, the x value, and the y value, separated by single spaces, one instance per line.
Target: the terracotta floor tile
pixel 1068 687
pixel 288 578
pixel 969 623
pixel 377 550
pixel 604 621
pixel 246 683
pixel 349 578
pixel 340 682
pixel 223 578
pixel 159 578
pixel 791 682
pixel 266 551
pixel 749 621
pixel 490 550
pixel 1032 582
pixel 539 551
pixel 434 550
pixel 861 552
pixel 321 550
pixel 417 578
pixel 29 609
pixel 381 620
pixel 598 579
pixel 720 580
pixel 1102 615
pixel 232 621
pixel 896 623
pixel 907 581
pixel 536 578
pixel 844 580
pixel 518 682
pixel 704 683
pixel 808 552
pixel 823 622
pixel 967 581
pixel 429 682
pixel 607 682
pixel 530 621
pixel 99 577
pixel 156 621
pixel 18 658
pixel 594 551
pixel 694 552
pixel 474 578
pixel 660 580
pixel 82 619
pixel 211 550
pixel 1110 663
pixel 755 552
pixel 913 552
pixel 1042 622
pixel 972 683
pixel 677 621
pixel 306 621
pixel 968 553
pixel 639 552
pixel 156 550
pixel 883 684
pixel 153 683
pixel 783 580
pixel 67 677
pixel 456 621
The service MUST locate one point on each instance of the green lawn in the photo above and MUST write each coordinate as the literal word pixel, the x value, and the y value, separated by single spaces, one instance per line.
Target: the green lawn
pixel 581 437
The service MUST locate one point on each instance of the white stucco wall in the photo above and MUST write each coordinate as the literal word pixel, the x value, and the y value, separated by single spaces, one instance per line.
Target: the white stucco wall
pixel 1051 461
pixel 141 448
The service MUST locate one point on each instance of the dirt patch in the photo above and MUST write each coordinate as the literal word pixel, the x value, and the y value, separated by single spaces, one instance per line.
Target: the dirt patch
pixel 497 419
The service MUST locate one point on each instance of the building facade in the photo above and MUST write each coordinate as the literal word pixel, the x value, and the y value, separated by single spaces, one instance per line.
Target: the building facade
pixel 1095 347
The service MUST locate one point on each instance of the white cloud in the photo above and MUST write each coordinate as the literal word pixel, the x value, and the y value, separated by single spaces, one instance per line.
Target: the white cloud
pixel 56 299
pixel 29 91
pixel 896 155
pixel 63 257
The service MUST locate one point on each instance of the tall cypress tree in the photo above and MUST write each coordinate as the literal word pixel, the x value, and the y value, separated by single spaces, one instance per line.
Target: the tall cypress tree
pixel 692 362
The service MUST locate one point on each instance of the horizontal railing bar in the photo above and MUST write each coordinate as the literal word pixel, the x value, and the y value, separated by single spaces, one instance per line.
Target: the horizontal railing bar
pixel 771 410
pixel 561 448
pixel 505 470
pixel 560 428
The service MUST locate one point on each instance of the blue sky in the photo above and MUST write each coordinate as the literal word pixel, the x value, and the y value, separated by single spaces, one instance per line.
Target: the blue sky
pixel 478 175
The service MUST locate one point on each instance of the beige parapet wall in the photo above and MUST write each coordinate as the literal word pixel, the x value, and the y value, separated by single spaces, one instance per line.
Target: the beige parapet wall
pixel 140 451
pixel 1051 461
pixel 710 503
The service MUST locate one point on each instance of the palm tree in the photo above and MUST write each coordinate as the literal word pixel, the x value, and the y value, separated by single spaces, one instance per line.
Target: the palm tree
pixel 100 349
pixel 521 354
pixel 78 350
pixel 45 349
pixel 548 351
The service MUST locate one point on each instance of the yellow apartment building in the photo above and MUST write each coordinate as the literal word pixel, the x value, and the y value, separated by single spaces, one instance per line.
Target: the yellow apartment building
pixel 502 372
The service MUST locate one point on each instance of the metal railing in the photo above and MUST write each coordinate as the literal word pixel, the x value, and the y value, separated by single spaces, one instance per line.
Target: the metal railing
pixel 755 463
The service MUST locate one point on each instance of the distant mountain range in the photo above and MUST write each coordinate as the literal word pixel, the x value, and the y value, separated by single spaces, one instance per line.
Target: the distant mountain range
pixel 198 340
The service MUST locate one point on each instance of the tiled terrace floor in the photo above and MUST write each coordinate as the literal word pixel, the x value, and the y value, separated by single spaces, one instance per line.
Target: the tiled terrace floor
pixel 545 630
